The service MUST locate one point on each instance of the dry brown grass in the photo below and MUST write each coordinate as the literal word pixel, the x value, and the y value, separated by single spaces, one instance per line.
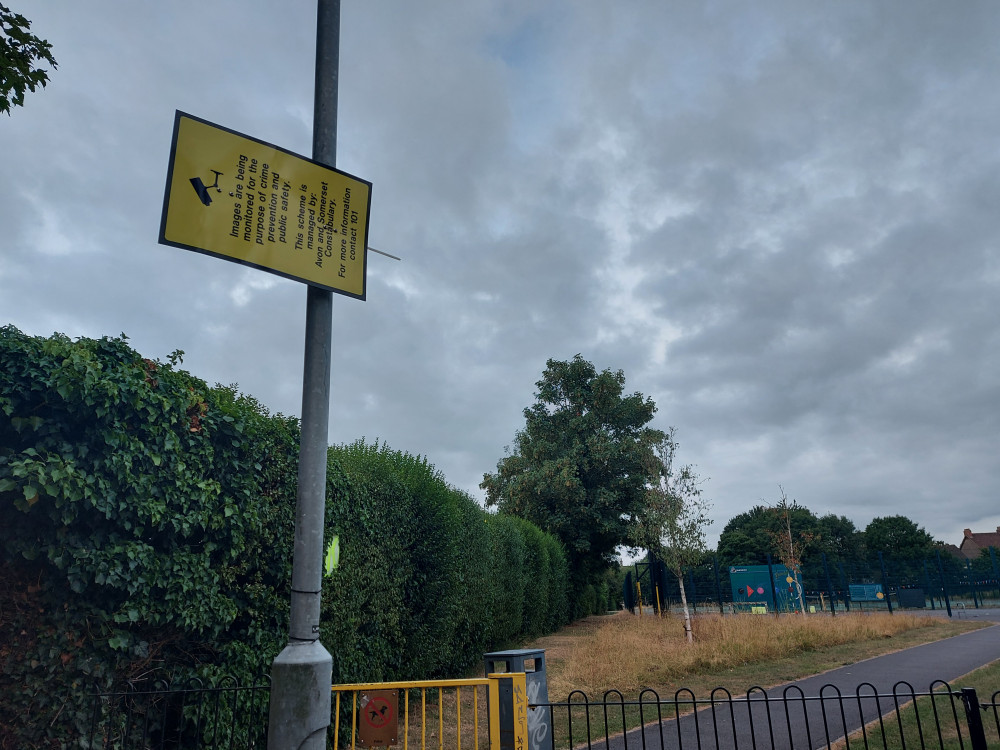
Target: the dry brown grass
pixel 630 653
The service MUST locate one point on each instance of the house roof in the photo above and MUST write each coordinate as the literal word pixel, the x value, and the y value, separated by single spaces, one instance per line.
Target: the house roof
pixel 952 550
pixel 974 541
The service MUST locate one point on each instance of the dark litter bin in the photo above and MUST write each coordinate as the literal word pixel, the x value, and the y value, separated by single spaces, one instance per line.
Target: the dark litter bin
pixel 532 663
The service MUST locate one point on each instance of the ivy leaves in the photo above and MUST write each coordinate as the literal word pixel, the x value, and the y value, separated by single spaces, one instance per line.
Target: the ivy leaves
pixel 147 534
pixel 135 500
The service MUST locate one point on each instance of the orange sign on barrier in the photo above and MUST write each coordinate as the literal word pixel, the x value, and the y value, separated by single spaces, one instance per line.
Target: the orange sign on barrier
pixel 379 718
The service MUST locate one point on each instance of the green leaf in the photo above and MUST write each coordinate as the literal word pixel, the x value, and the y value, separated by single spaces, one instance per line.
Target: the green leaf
pixel 332 555
pixel 30 494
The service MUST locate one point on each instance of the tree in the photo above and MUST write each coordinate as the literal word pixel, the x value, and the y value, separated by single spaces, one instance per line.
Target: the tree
pixel 743 540
pixel 839 538
pixel 672 525
pixel 580 467
pixel 20 51
pixel 898 536
pixel 748 538
pixel 788 547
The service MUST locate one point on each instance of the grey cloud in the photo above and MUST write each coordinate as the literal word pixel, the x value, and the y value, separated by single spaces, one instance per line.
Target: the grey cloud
pixel 777 219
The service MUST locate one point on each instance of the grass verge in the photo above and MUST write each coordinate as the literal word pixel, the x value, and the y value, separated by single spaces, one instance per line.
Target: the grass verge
pixel 938 720
pixel 630 654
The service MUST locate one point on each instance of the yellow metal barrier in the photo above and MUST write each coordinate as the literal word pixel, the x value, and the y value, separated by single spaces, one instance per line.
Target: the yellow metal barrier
pixel 480 695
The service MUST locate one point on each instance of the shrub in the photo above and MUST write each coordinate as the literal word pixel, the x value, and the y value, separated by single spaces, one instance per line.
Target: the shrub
pixel 148 523
pixel 135 502
pixel 586 603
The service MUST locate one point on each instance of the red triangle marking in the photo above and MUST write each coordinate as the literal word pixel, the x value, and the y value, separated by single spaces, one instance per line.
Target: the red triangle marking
pixel 749 591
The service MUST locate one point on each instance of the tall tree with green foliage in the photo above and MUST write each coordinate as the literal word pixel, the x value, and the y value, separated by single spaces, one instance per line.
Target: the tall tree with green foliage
pixel 899 537
pixel 742 541
pixel 581 466
pixel 20 55
pixel 748 538
pixel 839 539
pixel 672 524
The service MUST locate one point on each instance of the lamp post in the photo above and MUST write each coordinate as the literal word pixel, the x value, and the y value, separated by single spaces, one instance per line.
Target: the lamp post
pixel 301 674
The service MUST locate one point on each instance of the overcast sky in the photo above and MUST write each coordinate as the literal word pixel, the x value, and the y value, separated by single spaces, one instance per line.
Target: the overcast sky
pixel 780 219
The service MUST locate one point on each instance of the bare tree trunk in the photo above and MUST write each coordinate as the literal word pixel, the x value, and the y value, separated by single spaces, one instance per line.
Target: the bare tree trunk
pixel 794 563
pixel 687 615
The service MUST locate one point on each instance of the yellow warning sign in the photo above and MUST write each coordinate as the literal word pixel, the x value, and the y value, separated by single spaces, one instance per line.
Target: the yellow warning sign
pixel 251 202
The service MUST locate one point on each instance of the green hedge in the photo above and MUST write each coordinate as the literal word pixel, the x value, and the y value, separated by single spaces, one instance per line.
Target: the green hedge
pixel 147 534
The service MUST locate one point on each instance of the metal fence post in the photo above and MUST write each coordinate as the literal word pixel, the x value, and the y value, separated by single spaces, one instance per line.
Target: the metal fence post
pixel 661 584
pixel 718 583
pixel 977 734
pixel 944 589
pixel 927 580
pixel 844 587
pixel 972 582
pixel 885 582
pixel 996 575
pixel 774 592
pixel 829 585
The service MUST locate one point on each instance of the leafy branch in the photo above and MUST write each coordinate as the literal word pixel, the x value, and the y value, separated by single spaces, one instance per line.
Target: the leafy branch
pixel 20 51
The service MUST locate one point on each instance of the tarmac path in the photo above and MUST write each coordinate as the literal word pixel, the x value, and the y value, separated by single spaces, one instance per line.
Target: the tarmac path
pixel 808 713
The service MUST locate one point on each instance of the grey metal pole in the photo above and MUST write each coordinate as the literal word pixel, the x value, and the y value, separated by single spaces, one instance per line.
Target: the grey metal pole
pixel 301 674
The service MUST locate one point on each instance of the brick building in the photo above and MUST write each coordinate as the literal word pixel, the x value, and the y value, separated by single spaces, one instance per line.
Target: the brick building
pixel 973 542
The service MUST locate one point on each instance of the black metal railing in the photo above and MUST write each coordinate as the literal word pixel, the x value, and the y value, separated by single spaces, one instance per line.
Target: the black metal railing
pixel 192 716
pixel 779 718
pixel 993 726
pixel 195 717
pixel 936 581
